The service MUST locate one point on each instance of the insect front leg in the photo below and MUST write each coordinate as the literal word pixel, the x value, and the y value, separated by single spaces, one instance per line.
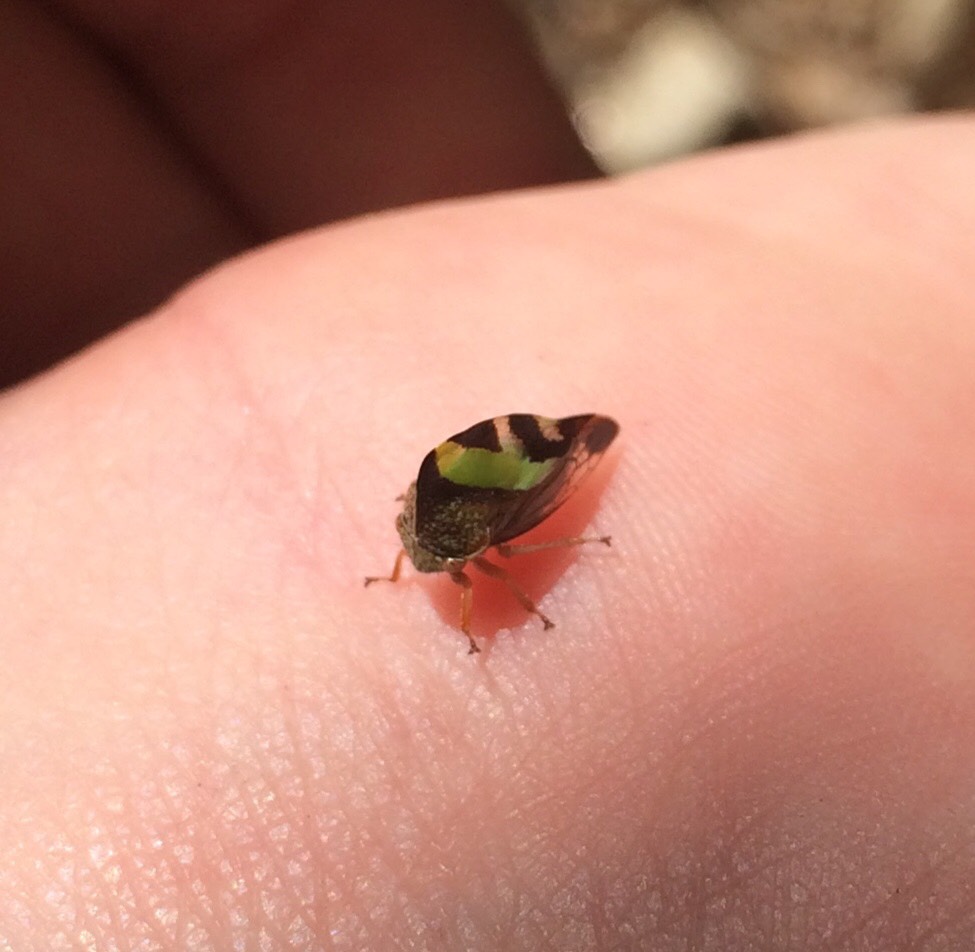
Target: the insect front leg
pixel 466 601
pixel 495 571
pixel 393 576
pixel 509 550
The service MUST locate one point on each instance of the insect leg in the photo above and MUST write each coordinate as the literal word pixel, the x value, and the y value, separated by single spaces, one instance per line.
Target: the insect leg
pixel 509 550
pixel 393 576
pixel 495 571
pixel 466 600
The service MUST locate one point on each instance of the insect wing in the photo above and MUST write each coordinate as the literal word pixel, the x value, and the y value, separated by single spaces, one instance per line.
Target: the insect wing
pixel 499 478
pixel 585 440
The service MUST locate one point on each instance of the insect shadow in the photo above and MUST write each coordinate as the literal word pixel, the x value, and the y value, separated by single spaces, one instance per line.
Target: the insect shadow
pixel 536 573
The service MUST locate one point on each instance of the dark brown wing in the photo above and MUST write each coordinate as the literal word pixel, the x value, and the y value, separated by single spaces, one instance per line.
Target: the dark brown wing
pixel 585 440
pixel 457 517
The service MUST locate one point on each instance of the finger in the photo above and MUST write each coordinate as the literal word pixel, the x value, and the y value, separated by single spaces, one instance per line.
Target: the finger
pixel 123 177
pixel 310 111
pixel 102 216
pixel 203 703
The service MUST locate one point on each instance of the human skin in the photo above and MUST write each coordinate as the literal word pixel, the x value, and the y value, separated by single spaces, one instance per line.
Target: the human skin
pixel 752 727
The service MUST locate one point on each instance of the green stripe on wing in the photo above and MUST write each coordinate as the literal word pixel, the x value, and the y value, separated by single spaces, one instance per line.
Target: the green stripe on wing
pixel 489 469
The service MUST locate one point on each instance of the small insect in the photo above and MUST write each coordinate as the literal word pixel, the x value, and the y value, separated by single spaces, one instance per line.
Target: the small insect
pixel 490 484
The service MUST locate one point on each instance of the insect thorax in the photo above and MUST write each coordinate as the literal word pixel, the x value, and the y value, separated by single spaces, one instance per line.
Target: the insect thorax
pixel 455 532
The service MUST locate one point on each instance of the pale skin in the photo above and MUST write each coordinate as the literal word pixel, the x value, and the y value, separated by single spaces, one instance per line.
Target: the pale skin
pixel 753 725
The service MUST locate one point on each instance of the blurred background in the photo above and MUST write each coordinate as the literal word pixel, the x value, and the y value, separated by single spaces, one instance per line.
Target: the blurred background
pixel 646 80
pixel 134 157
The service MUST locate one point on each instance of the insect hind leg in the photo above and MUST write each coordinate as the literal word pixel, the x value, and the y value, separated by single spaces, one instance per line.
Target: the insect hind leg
pixel 466 601
pixel 509 550
pixel 495 571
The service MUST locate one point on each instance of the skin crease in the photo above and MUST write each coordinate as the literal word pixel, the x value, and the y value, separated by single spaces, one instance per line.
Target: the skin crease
pixel 752 727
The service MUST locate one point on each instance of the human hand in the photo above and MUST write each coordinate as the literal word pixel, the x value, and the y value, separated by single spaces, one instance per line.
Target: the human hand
pixel 751 727
pixel 141 144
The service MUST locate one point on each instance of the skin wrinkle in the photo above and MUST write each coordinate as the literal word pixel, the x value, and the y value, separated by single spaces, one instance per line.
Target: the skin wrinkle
pixel 204 858
pixel 264 832
pixel 243 890
pixel 153 866
pixel 411 778
pixel 110 907
pixel 901 896
pixel 364 824
pixel 740 882
pixel 546 848
pixel 743 869
pixel 145 869
pixel 49 860
pixel 201 914
pixel 595 914
pixel 86 879
pixel 243 856
pixel 306 784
